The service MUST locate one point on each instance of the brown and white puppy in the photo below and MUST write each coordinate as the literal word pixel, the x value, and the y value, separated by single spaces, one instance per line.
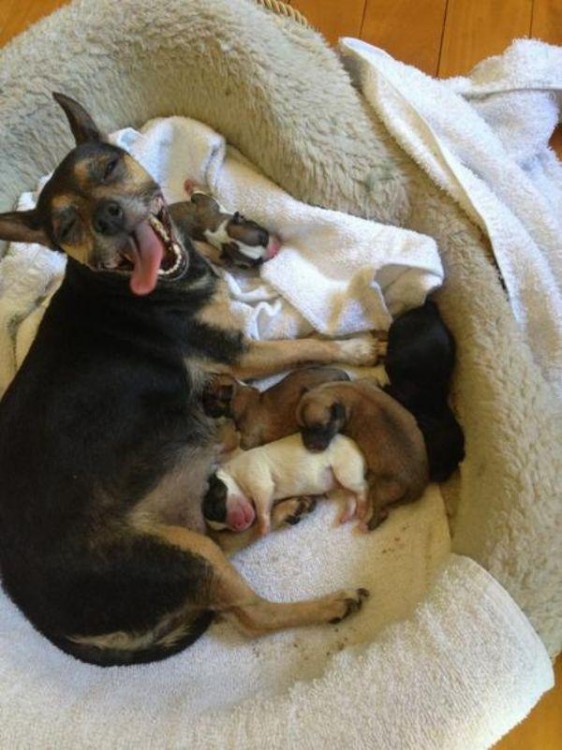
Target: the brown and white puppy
pixel 245 488
pixel 386 434
pixel 237 240
pixel 265 416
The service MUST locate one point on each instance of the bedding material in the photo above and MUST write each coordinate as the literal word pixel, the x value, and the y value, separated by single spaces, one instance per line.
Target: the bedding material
pixel 284 100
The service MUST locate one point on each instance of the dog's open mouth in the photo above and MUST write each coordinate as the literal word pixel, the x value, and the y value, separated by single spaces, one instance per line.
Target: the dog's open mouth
pixel 153 252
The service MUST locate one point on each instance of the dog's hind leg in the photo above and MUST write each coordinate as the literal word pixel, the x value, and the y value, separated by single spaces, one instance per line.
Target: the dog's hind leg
pixel 384 494
pixel 349 471
pixel 229 595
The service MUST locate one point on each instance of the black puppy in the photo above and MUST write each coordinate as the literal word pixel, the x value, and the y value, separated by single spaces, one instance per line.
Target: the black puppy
pixel 104 447
pixel 419 362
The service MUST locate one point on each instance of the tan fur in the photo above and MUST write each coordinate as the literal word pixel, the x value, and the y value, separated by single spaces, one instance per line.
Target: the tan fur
pixel 386 434
pixel 176 500
pixel 264 358
pixel 231 596
pixel 270 415
pixel 218 313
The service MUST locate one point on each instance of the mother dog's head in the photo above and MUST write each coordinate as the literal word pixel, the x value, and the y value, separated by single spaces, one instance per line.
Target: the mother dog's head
pixel 104 210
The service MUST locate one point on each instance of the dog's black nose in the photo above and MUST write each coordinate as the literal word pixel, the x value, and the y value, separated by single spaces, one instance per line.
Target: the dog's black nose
pixel 109 218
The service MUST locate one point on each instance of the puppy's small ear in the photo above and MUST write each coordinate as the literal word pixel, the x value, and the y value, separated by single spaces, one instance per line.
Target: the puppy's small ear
pixel 337 412
pixel 23 226
pixel 84 129
pixel 301 404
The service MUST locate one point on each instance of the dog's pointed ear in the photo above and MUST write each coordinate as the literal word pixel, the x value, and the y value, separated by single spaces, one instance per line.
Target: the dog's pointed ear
pixel 84 129
pixel 23 226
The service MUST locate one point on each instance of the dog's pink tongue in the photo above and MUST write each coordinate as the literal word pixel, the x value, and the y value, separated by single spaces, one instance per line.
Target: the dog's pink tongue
pixel 147 259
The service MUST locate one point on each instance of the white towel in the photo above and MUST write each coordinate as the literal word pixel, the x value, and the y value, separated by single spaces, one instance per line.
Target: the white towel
pixel 336 274
pixel 503 190
pixel 456 674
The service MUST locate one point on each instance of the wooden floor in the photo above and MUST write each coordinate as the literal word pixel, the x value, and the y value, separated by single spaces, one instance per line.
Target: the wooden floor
pixel 443 38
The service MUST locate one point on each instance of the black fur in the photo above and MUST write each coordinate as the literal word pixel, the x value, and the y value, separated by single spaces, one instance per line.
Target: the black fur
pixel 97 414
pixel 419 362
pixel 214 502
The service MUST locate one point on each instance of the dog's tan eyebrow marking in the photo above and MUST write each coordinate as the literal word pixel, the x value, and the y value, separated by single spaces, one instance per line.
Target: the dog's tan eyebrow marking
pixel 62 202
pixel 82 171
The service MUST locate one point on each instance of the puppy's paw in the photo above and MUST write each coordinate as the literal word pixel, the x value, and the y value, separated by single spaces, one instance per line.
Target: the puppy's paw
pixel 377 518
pixel 373 522
pixel 292 511
pixel 347 602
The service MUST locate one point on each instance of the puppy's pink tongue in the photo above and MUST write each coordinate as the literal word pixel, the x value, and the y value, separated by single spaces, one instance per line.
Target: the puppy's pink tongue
pixel 147 259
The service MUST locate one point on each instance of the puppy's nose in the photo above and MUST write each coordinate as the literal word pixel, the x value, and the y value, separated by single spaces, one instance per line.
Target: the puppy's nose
pixel 109 218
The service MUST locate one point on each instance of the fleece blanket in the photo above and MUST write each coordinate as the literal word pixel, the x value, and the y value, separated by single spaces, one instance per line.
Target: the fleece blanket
pixel 282 97
pixel 376 271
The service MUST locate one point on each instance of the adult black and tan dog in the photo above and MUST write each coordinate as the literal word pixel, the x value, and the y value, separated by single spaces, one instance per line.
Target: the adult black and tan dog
pixel 105 449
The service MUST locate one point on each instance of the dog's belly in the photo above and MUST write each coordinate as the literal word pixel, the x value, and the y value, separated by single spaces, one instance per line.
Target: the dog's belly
pixel 177 500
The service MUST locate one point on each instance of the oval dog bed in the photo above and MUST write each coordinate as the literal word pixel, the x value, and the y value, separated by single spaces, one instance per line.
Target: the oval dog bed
pixel 471 659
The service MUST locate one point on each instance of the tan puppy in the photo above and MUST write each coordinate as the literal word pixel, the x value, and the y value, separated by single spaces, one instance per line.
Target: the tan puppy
pixel 384 431
pixel 246 487
pixel 263 417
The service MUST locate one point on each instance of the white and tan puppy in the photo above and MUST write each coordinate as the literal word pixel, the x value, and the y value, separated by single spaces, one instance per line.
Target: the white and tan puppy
pixel 247 486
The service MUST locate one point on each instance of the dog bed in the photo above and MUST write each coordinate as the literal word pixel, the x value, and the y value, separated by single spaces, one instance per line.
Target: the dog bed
pixel 430 679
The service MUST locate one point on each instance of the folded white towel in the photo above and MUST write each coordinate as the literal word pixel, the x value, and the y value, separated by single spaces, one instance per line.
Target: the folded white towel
pixel 336 274
pixel 459 150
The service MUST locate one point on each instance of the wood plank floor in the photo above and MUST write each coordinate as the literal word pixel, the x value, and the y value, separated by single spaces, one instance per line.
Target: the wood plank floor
pixel 443 38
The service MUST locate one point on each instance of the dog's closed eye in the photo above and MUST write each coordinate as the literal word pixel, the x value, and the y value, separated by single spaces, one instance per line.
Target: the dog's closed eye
pixel 67 228
pixel 110 168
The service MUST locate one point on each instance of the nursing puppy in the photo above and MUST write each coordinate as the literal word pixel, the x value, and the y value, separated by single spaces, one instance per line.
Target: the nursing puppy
pixel 265 416
pixel 246 487
pixel 385 433
pixel 420 359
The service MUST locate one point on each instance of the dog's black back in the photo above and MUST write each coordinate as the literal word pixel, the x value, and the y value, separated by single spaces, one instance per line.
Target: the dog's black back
pixel 419 362
pixel 108 407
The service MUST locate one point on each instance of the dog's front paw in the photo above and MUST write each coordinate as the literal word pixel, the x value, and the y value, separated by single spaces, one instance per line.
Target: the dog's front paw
pixel 362 350
pixel 292 511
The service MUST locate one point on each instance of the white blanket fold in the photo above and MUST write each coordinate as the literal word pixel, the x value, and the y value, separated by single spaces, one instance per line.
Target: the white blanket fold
pixel 511 201
pixel 341 274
